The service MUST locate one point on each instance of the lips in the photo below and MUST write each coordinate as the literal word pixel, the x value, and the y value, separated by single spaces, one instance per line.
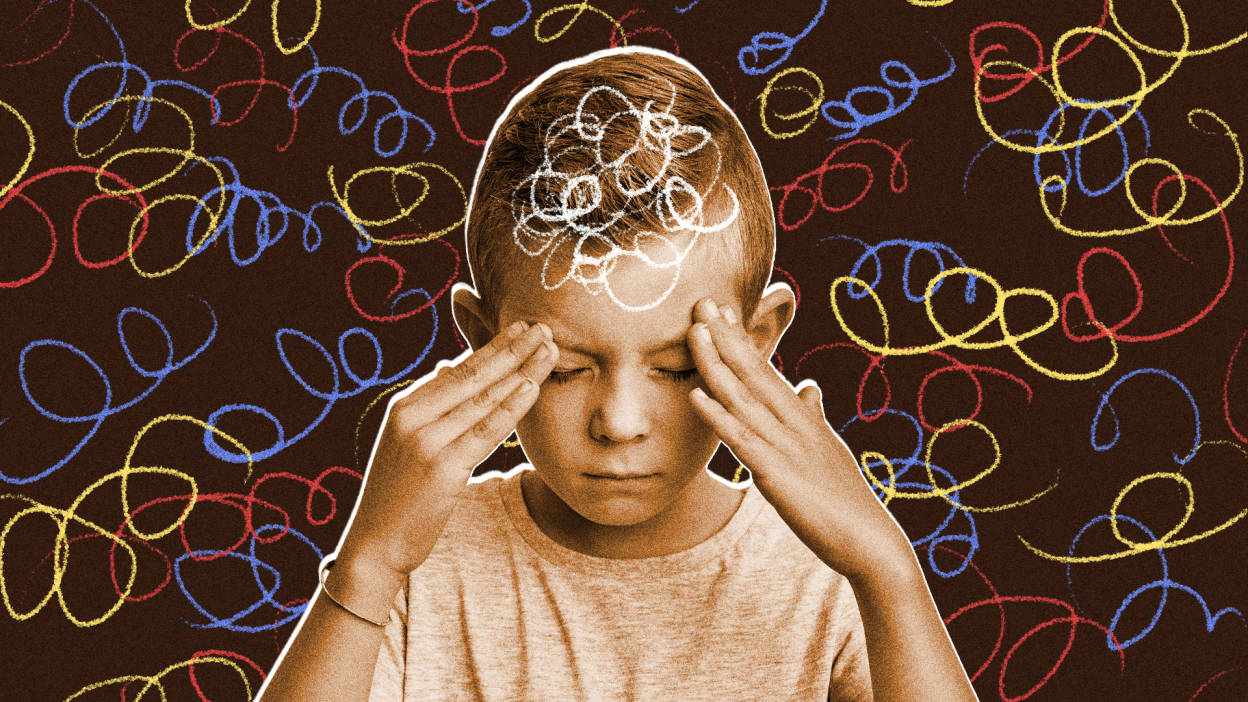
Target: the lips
pixel 621 476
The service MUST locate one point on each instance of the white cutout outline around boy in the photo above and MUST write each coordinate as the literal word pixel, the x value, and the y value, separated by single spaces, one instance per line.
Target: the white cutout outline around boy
pixel 710 383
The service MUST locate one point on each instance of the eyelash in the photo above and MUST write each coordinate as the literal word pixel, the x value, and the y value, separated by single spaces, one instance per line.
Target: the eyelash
pixel 561 377
pixel 678 376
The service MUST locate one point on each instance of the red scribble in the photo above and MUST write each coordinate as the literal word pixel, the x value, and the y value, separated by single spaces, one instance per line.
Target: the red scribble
pixel 816 194
pixel 997 599
pixel 1226 390
pixel 190 669
pixel 797 291
pixel 1081 294
pixel 51 253
pixel 1210 680
pixel 875 364
pixel 449 89
pixel 977 58
pixel 459 339
pixel 314 487
pixel 278 617
pixel 1112 331
pixel 244 505
pixel 63 547
pixel 618 27
pixel 112 567
pixel 953 364
pixel 69 22
pixel 996 647
pixel 517 87
pixel 177 47
pixel 16 191
pixel 969 370
pixel 142 208
pixel 398 284
pixel 259 83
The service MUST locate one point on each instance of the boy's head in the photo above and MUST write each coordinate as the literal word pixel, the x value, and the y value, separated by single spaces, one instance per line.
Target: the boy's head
pixel 622 154
pixel 613 195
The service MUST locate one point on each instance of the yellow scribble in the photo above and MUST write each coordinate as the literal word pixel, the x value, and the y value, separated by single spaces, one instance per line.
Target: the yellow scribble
pixel 343 199
pixel 816 100
pixel 63 517
pixel 962 341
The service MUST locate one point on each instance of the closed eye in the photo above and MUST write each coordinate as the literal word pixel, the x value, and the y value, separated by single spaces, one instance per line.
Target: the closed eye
pixel 560 377
pixel 679 376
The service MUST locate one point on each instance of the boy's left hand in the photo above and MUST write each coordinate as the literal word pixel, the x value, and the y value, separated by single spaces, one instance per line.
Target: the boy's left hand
pixel 804 470
pixel 798 462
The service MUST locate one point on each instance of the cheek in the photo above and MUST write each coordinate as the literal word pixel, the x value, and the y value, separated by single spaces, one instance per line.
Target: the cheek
pixel 555 418
pixel 680 410
pixel 674 421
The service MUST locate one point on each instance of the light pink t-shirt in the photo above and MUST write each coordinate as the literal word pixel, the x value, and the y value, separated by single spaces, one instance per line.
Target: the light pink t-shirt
pixel 501 612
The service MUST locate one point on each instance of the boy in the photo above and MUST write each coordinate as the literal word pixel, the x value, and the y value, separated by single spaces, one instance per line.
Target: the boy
pixel 620 237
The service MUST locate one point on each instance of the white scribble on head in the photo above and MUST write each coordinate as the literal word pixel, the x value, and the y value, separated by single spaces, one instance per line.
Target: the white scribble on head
pixel 572 209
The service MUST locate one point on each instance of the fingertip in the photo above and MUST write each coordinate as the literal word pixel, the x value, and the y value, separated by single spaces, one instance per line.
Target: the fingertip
pixel 700 332
pixel 705 309
pixel 810 394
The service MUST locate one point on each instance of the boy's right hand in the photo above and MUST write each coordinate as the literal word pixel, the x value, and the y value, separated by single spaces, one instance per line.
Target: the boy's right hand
pixel 434 435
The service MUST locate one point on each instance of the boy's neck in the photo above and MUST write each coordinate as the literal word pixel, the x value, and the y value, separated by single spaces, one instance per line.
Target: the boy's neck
pixel 699 513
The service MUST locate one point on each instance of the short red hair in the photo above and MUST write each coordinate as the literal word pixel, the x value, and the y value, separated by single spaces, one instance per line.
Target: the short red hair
pixel 672 92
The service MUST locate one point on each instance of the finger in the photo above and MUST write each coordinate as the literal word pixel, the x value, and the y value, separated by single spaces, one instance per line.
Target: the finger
pixel 455 384
pixel 737 351
pixel 728 389
pixel 746 445
pixel 811 396
pixel 479 440
pixel 451 425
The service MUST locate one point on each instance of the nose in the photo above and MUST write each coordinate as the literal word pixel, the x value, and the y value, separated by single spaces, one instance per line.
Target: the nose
pixel 621 414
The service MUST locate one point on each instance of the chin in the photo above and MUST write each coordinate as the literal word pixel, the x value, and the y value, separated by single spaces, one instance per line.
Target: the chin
pixel 618 512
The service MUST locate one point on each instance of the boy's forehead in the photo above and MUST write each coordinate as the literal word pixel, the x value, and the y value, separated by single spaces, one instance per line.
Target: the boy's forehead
pixel 578 317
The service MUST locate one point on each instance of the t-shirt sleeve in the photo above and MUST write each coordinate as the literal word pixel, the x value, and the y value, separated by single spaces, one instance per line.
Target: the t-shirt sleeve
pixel 851 674
pixel 388 675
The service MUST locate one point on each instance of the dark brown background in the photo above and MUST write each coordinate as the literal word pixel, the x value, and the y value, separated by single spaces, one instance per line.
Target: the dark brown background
pixel 996 226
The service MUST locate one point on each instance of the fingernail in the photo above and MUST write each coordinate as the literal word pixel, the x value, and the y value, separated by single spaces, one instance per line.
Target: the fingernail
pixel 712 309
pixel 730 315
pixel 702 332
pixel 549 349
pixel 699 393
pixel 516 329
pixel 545 331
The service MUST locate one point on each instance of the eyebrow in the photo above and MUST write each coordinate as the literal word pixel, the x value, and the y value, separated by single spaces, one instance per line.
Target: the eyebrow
pixel 677 342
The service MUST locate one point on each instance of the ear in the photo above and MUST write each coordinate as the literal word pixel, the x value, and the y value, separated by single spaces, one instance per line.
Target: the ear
pixel 771 318
pixel 469 311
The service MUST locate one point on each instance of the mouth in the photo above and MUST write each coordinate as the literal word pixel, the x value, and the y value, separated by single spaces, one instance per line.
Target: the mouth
pixel 622 477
